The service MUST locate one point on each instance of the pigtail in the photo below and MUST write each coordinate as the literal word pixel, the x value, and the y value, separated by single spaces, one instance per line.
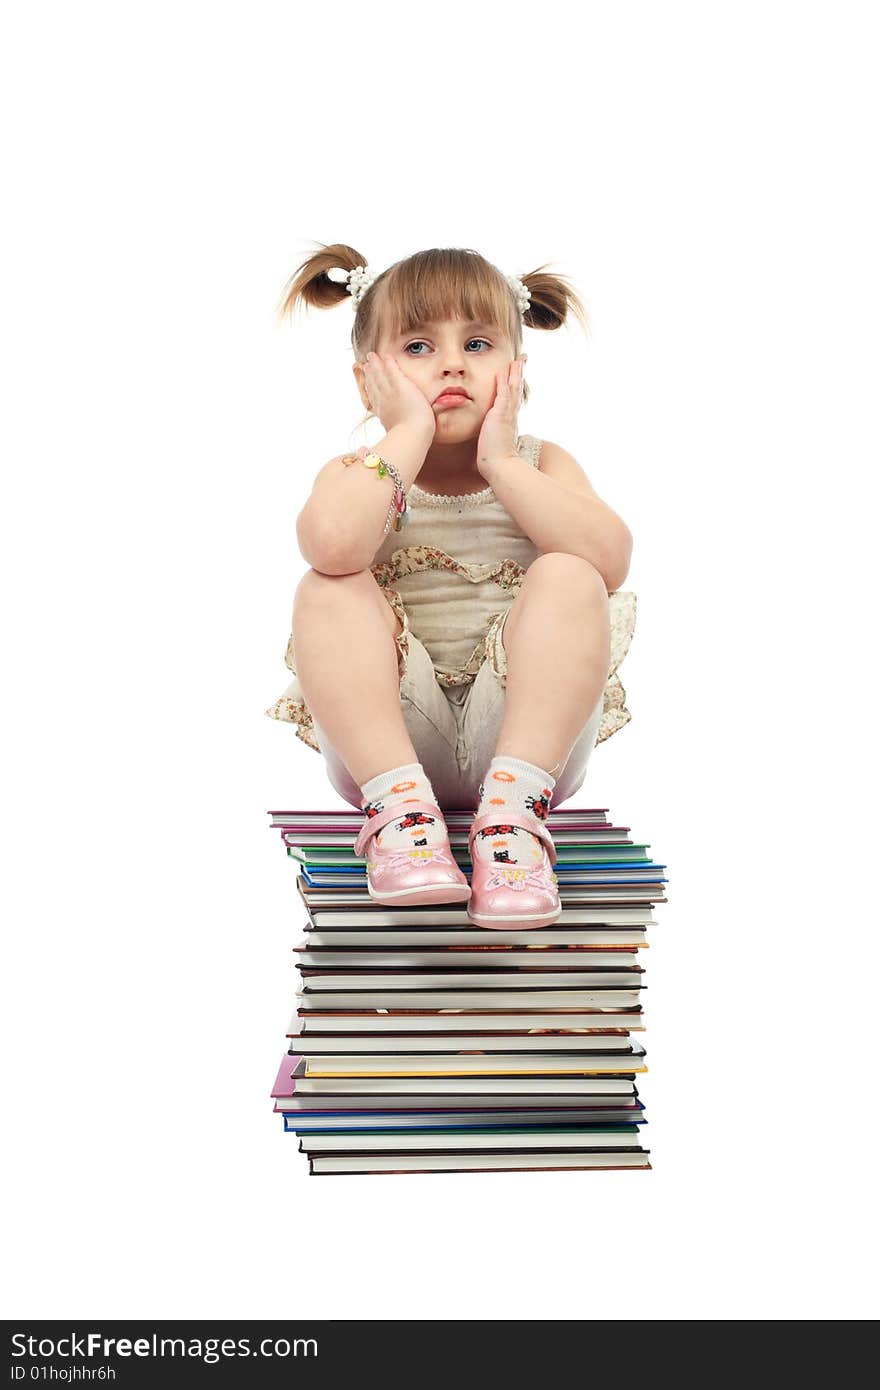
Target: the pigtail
pixel 310 283
pixel 553 301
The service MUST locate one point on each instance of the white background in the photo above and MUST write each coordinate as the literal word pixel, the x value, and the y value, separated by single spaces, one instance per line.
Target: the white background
pixel 707 176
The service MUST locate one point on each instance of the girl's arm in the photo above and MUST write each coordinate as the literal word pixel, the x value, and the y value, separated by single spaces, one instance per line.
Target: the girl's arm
pixel 559 510
pixel 340 527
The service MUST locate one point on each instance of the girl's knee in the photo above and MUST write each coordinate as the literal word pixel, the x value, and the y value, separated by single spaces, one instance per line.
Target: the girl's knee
pixel 317 591
pixel 569 573
pixel 322 597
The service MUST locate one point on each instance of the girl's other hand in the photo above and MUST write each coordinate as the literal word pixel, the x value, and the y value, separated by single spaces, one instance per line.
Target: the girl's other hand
pixel 497 439
pixel 394 398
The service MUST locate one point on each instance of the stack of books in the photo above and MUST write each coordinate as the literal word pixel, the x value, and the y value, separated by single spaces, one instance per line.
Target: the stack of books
pixel 421 1043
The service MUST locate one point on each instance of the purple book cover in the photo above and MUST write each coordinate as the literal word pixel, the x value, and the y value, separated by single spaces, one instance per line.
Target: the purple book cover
pixel 285 1085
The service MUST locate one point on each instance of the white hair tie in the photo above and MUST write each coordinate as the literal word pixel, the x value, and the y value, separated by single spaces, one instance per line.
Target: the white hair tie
pixel 521 293
pixel 358 281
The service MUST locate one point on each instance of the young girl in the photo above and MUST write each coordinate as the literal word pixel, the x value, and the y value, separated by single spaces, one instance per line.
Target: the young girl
pixel 454 642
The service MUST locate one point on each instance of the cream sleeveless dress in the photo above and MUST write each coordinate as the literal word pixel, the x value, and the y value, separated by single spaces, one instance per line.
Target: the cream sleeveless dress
pixel 451 576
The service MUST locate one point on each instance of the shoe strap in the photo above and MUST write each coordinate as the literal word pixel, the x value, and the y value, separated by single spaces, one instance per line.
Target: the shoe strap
pixel 530 823
pixel 374 823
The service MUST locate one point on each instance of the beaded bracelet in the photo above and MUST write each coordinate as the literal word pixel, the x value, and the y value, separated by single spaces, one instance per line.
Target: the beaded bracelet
pixel 397 512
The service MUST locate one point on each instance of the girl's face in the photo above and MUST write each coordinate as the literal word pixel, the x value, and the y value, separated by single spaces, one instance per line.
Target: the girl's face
pixel 458 356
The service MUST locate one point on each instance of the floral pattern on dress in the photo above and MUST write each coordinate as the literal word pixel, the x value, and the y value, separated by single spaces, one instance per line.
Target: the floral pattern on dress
pixel 414 559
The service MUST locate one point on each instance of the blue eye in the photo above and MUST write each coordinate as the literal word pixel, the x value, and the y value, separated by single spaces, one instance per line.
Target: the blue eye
pixel 420 342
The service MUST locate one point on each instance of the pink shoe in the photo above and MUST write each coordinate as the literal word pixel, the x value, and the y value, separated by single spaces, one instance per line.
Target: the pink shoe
pixel 426 875
pixel 520 895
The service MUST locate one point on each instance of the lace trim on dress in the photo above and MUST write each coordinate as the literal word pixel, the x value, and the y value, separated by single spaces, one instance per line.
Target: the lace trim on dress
pixel 416 497
pixel 527 446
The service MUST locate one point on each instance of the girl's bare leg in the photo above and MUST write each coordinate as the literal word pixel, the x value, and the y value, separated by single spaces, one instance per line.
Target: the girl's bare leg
pixel 557 638
pixel 346 662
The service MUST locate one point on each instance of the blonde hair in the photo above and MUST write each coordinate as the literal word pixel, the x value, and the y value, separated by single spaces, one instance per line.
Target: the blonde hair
pixel 442 283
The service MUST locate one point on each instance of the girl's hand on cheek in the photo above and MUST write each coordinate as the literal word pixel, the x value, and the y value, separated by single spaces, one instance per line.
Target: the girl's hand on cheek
pixel 497 440
pixel 394 398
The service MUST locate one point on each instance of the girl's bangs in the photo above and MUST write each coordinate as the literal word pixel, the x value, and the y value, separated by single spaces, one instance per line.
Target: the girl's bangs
pixel 415 296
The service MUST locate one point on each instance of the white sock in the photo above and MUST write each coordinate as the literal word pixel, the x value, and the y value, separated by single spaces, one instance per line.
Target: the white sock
pixel 414 830
pixel 523 789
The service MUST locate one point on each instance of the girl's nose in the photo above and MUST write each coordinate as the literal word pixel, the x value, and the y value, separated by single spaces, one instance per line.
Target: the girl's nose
pixel 452 357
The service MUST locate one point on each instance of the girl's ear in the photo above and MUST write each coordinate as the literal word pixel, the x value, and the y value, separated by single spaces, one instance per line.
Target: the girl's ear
pixel 361 385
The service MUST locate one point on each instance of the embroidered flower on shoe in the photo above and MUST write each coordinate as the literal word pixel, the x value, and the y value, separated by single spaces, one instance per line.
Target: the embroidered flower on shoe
pixel 517 877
